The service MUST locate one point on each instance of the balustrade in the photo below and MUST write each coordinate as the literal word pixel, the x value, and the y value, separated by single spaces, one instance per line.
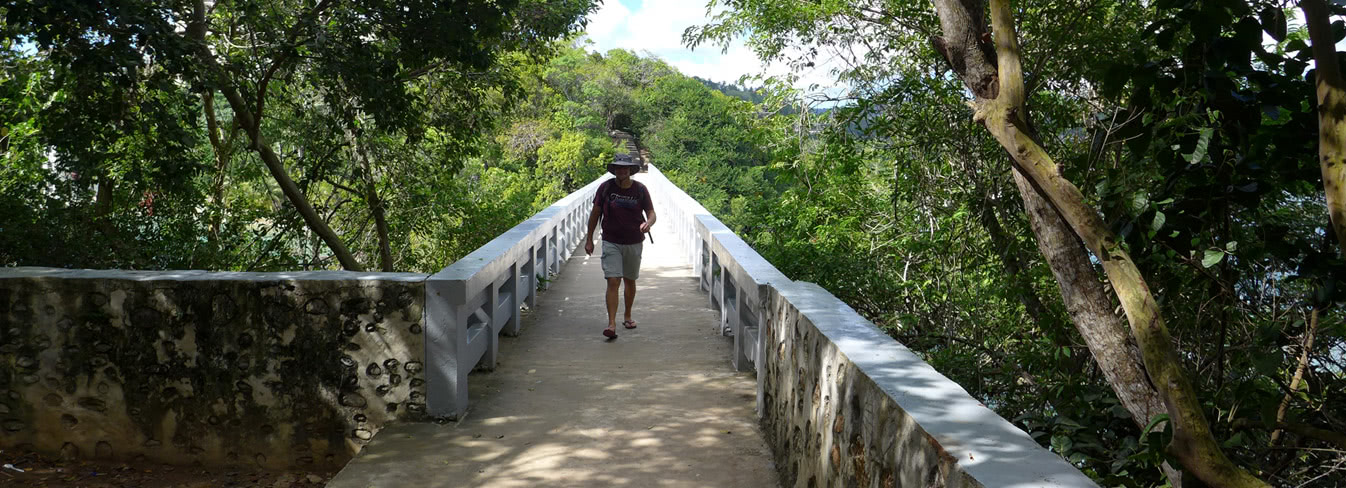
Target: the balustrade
pixel 829 381
pixel 475 299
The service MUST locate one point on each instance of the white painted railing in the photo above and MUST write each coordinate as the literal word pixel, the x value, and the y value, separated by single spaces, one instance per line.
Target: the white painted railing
pixel 469 303
pixel 738 279
pixel 829 382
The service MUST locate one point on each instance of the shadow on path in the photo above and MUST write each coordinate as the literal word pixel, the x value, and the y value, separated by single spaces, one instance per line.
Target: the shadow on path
pixel 660 406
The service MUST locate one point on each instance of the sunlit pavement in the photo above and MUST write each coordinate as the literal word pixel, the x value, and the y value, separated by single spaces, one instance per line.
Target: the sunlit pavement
pixel 660 406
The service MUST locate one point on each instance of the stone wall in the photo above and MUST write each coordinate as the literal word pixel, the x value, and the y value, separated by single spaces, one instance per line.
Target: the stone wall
pixel 270 369
pixel 843 404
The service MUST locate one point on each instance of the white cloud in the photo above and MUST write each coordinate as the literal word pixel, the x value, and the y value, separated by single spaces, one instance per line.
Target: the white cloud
pixel 655 28
pixel 604 25
pixel 726 67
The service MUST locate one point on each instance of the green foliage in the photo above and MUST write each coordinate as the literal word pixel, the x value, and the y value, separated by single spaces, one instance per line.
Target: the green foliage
pixel 735 91
pixel 1192 139
pixel 1195 142
pixel 116 123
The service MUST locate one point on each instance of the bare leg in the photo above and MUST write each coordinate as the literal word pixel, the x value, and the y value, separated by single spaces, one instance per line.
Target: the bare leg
pixel 613 283
pixel 630 292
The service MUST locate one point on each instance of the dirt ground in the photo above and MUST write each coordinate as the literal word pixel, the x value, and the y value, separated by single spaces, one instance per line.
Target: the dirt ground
pixel 45 472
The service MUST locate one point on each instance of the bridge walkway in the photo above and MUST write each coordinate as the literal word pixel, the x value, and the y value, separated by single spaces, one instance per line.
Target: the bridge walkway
pixel 660 406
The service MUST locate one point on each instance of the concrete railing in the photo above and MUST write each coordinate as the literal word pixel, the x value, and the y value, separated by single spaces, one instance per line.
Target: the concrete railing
pixel 840 401
pixel 737 279
pixel 469 303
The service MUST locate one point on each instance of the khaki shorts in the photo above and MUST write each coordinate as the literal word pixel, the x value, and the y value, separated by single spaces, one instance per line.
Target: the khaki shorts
pixel 621 260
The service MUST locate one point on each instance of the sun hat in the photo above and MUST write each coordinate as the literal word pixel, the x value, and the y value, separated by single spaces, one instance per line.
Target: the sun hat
pixel 622 160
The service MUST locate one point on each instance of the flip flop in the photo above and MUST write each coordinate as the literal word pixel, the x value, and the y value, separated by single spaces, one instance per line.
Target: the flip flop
pixel 630 324
pixel 610 334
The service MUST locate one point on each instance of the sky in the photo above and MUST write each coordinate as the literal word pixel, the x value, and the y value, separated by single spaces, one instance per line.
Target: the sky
pixel 655 27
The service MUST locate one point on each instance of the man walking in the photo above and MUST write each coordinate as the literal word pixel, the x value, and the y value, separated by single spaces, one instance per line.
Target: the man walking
pixel 625 208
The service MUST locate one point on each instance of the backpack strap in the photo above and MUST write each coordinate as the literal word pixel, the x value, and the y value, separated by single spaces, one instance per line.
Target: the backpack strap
pixel 602 192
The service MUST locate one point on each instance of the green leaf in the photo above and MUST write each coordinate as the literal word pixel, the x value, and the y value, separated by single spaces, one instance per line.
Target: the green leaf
pixel 1139 201
pixel 1202 143
pixel 1212 257
pixel 1158 221
pixel 1061 443
pixel 1231 246
pixel 1268 364
pixel 1163 417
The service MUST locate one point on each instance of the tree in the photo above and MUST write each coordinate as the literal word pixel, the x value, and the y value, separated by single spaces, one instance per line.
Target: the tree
pixel 999 89
pixel 369 54
pixel 1169 165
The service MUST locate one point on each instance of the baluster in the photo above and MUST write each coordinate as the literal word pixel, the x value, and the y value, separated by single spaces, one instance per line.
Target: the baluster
pixel 528 277
pixel 446 352
pixel 510 304
pixel 492 331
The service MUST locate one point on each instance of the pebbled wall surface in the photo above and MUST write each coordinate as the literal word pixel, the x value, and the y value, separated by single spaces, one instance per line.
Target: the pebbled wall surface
pixel 272 369
pixel 830 424
pixel 843 404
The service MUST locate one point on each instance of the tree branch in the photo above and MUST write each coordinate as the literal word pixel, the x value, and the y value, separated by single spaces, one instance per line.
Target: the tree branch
pixel 284 56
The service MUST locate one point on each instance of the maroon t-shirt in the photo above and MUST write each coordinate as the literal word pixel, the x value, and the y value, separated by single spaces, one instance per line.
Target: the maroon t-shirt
pixel 623 211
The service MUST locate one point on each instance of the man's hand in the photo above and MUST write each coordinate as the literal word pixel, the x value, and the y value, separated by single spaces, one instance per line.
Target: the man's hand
pixel 589 247
pixel 644 227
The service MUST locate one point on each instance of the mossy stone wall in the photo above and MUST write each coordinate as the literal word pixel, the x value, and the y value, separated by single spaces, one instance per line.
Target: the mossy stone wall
pixel 276 370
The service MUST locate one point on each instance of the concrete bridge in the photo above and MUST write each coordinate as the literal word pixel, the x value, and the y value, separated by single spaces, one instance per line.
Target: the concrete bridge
pixel 736 375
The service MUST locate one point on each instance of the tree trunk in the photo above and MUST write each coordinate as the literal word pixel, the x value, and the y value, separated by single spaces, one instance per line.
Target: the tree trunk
pixel 196 32
pixel 371 195
pixel 1089 307
pixel 102 206
pixel 223 152
pixel 1331 116
pixel 1000 108
pixel 1305 347
pixel 380 222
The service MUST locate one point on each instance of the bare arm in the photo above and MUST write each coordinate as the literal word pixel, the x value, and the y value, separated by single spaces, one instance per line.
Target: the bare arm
pixel 649 214
pixel 594 215
pixel 649 220
pixel 593 222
